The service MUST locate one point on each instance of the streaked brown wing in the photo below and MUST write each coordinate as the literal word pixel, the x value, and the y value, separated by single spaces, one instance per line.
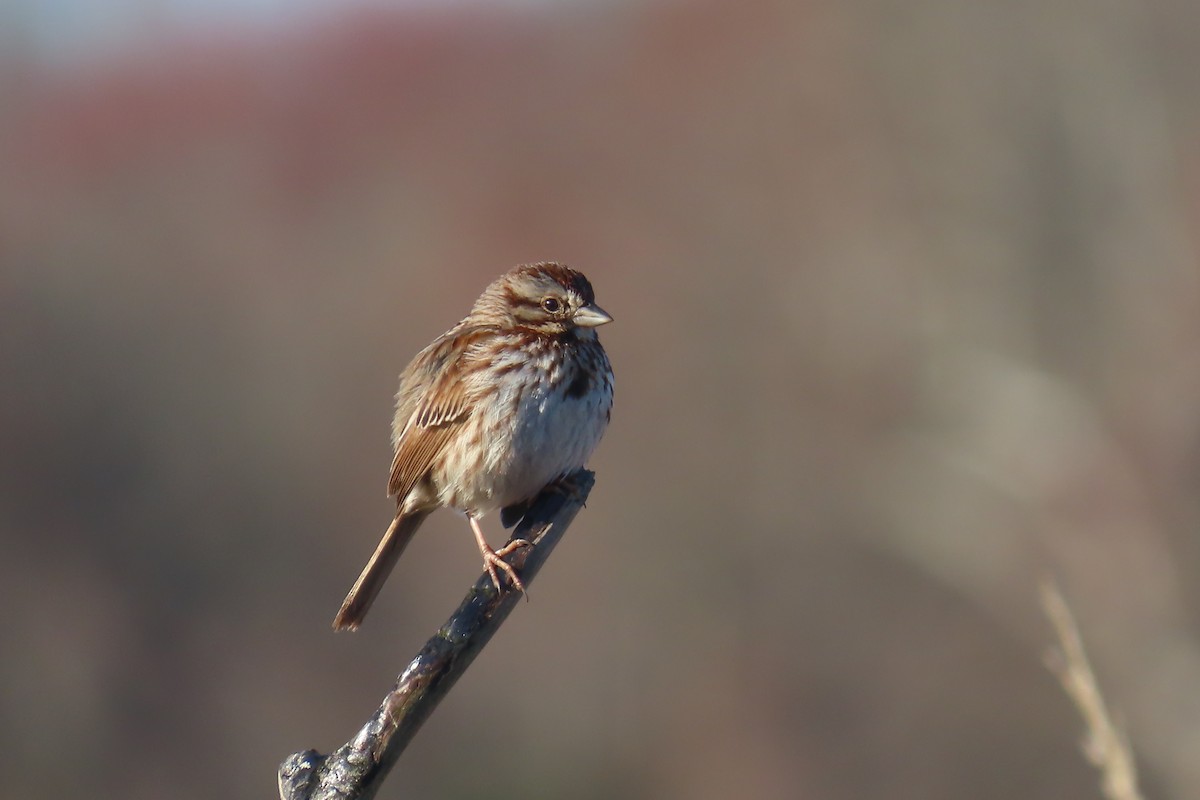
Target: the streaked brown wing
pixel 433 404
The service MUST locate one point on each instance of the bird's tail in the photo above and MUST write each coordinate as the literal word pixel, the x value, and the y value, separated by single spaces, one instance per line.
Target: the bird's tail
pixel 362 595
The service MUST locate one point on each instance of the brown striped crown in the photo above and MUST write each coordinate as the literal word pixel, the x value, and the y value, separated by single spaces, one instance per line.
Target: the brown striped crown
pixel 545 298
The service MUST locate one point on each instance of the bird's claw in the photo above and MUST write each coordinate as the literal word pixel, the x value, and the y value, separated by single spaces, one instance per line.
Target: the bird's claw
pixel 568 487
pixel 493 559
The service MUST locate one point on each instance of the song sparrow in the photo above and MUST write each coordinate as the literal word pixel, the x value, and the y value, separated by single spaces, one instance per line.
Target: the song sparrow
pixel 510 399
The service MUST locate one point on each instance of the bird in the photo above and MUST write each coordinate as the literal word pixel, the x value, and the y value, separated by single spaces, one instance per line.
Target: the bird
pixel 514 397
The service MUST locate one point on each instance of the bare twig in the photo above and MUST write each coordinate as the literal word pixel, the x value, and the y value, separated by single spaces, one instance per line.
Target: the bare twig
pixel 1104 743
pixel 356 769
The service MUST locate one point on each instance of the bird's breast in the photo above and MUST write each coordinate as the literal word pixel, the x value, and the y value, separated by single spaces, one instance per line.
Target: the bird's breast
pixel 539 425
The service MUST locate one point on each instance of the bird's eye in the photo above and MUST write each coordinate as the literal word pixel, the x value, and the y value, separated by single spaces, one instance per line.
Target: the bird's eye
pixel 551 305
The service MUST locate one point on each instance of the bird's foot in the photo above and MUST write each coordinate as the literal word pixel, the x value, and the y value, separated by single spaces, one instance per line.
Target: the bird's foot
pixel 568 486
pixel 493 560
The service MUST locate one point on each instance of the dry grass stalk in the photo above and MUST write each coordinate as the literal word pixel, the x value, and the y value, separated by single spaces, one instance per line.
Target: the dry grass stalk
pixel 1105 744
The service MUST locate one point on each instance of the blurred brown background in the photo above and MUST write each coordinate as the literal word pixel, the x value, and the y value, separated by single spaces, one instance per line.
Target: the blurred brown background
pixel 908 314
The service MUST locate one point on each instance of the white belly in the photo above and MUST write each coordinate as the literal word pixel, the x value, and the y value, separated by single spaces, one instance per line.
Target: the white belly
pixel 553 435
pixel 547 434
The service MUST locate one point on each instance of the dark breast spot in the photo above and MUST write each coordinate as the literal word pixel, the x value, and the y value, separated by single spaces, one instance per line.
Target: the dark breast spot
pixel 579 384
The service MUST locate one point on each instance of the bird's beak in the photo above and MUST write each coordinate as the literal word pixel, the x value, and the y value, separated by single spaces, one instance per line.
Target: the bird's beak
pixel 591 316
